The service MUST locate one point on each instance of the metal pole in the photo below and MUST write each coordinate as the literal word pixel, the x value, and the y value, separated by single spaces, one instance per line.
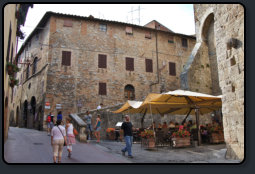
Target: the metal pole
pixel 198 127
pixel 152 123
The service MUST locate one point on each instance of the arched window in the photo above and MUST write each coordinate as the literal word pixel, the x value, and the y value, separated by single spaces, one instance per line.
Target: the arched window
pixel 129 92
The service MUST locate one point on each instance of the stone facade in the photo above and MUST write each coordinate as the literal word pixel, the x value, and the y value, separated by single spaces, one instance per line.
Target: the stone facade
pixel 12 95
pixel 220 36
pixel 76 87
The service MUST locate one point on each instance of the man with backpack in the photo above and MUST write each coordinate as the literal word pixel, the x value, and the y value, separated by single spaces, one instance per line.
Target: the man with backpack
pixel 50 123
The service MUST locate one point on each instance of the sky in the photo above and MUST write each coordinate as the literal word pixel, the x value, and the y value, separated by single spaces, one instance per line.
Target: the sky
pixel 177 17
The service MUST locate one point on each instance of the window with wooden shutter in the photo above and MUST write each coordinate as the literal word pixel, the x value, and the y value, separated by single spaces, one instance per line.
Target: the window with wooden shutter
pixel 129 64
pixel 102 61
pixel 68 23
pixel 184 42
pixel 102 89
pixel 171 39
pixel 148 35
pixel 129 30
pixel 148 65
pixel 172 70
pixel 66 58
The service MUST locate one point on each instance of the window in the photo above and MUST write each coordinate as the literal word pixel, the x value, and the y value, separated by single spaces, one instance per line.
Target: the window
pixel 37 36
pixel 35 65
pixel 66 58
pixel 9 43
pixel 170 39
pixel 68 23
pixel 148 35
pixel 102 61
pixel 148 65
pixel 129 64
pixel 129 92
pixel 172 70
pixel 27 72
pixel 103 27
pixel 129 30
pixel 102 89
pixel 184 42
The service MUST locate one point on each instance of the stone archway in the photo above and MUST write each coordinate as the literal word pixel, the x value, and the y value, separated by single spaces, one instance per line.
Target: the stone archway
pixel 25 113
pixel 32 113
pixel 208 41
pixel 12 119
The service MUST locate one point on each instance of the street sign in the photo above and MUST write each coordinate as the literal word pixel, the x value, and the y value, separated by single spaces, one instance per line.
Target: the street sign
pixel 47 105
pixel 58 106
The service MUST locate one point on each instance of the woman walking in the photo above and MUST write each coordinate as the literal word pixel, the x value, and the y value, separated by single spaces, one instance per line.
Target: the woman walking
pixel 97 128
pixel 58 137
pixel 70 136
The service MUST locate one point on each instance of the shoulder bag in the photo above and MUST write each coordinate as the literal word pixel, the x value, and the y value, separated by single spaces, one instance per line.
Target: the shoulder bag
pixel 63 136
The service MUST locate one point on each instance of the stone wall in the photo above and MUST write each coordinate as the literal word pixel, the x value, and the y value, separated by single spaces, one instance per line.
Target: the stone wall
pixel 228 23
pixel 67 85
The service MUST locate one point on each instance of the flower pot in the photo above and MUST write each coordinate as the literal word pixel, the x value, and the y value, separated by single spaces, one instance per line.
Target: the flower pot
pixel 10 70
pixel 181 142
pixel 151 143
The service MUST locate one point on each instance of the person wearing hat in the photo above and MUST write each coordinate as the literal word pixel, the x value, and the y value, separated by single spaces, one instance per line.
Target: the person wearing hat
pixel 127 128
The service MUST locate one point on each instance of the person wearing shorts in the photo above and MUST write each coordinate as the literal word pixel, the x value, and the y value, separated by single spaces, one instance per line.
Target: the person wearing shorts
pixel 98 128
pixel 58 137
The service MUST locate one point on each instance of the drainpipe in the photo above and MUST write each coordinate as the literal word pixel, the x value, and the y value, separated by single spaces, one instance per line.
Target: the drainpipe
pixel 156 35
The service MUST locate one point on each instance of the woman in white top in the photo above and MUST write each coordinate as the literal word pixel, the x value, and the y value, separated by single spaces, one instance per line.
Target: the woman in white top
pixel 70 136
pixel 58 137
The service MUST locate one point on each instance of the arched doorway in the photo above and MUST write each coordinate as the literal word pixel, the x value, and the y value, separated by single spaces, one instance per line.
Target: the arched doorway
pixel 17 117
pixel 40 118
pixel 12 119
pixel 33 117
pixel 208 39
pixel 129 92
pixel 25 113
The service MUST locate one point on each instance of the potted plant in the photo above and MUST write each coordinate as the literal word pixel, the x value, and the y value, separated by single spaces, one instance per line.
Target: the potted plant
pixel 148 138
pixel 11 68
pixel 13 81
pixel 110 133
pixel 216 135
pixel 181 138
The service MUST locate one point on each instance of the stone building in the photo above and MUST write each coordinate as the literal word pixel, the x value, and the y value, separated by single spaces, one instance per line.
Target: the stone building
pixel 216 66
pixel 14 17
pixel 77 62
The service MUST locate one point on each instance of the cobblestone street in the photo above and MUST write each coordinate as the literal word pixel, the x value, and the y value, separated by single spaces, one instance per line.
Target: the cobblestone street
pixel 32 146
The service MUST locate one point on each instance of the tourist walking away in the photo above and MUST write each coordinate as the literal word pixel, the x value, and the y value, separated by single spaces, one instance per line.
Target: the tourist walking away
pixel 50 123
pixel 128 136
pixel 58 138
pixel 70 136
pixel 88 118
pixel 97 128
pixel 59 117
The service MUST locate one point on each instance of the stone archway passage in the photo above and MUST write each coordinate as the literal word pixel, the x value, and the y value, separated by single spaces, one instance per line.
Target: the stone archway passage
pixel 25 113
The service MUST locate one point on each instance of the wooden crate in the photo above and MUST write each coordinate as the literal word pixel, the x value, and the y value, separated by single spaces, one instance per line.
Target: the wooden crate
pixel 181 142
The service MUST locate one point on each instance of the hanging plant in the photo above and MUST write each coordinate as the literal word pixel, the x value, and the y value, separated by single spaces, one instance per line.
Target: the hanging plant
pixel 11 68
pixel 13 81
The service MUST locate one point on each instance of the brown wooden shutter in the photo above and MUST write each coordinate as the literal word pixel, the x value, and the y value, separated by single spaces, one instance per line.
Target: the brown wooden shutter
pixel 129 64
pixel 102 61
pixel 66 58
pixel 68 23
pixel 102 89
pixel 172 70
pixel 148 65
pixel 184 42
